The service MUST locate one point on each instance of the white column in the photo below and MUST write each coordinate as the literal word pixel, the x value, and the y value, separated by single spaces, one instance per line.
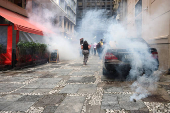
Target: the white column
pixel 73 29
pixel 62 25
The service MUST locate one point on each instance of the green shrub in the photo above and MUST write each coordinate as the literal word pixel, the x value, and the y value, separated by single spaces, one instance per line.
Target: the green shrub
pixel 31 48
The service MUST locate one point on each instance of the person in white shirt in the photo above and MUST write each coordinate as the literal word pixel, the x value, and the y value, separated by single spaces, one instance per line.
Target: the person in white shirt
pixel 94 47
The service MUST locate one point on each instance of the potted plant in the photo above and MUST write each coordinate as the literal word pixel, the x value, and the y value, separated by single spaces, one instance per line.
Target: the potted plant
pixel 31 49
pixel 21 48
pixel 21 51
pixel 42 50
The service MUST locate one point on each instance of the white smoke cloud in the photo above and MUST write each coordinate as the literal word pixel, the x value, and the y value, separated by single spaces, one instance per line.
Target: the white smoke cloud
pixel 144 86
pixel 93 22
pixel 53 36
pixel 142 60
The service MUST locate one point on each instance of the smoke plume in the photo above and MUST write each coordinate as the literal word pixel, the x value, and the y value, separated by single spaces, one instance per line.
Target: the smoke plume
pixel 46 20
pixel 95 26
pixel 117 37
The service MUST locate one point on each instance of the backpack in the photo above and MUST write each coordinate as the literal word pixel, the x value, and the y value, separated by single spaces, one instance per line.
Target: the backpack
pixel 98 45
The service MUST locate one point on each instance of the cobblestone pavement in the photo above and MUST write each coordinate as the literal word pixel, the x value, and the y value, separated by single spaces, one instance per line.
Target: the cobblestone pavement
pixel 70 87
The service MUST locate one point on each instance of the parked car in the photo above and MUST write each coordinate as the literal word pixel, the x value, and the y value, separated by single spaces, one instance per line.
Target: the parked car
pixel 120 60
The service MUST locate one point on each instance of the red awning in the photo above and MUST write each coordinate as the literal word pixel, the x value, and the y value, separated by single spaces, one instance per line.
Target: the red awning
pixel 21 23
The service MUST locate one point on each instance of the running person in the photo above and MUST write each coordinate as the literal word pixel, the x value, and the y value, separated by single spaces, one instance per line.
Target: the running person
pixel 85 48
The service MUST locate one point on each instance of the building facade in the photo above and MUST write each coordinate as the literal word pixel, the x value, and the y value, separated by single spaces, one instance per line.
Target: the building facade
pixel 110 6
pixel 122 12
pixel 64 12
pixel 15 24
pixel 150 20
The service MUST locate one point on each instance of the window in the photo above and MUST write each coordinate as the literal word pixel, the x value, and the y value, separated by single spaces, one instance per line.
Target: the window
pixel 60 21
pixel 34 7
pixel 21 3
pixel 138 7
pixel 80 4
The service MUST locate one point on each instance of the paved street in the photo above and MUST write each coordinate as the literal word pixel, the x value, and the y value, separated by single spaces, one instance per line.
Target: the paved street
pixel 70 87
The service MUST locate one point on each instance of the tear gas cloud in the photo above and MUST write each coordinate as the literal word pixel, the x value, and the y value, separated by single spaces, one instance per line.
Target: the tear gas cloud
pixel 68 47
pixel 142 60
pixel 92 23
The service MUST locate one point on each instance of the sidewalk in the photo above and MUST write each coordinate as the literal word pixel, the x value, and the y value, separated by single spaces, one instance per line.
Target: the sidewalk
pixel 70 87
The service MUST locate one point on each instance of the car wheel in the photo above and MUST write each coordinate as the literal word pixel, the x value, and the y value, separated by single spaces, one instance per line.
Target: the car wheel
pixel 105 72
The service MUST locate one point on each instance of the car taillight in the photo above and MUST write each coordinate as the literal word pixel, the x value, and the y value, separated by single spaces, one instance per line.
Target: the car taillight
pixel 110 56
pixel 155 55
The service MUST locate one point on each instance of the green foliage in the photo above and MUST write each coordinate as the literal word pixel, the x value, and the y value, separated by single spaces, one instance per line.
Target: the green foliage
pixel 31 48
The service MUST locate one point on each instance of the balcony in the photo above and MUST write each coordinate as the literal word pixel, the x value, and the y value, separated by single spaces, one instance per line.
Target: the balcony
pixel 59 8
pixel 72 5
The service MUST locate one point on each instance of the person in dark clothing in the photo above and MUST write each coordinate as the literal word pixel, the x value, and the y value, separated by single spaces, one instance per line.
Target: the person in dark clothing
pixel 85 47
pixel 99 49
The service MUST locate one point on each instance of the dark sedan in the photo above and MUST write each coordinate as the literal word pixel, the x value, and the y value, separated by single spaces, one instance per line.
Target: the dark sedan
pixel 120 60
